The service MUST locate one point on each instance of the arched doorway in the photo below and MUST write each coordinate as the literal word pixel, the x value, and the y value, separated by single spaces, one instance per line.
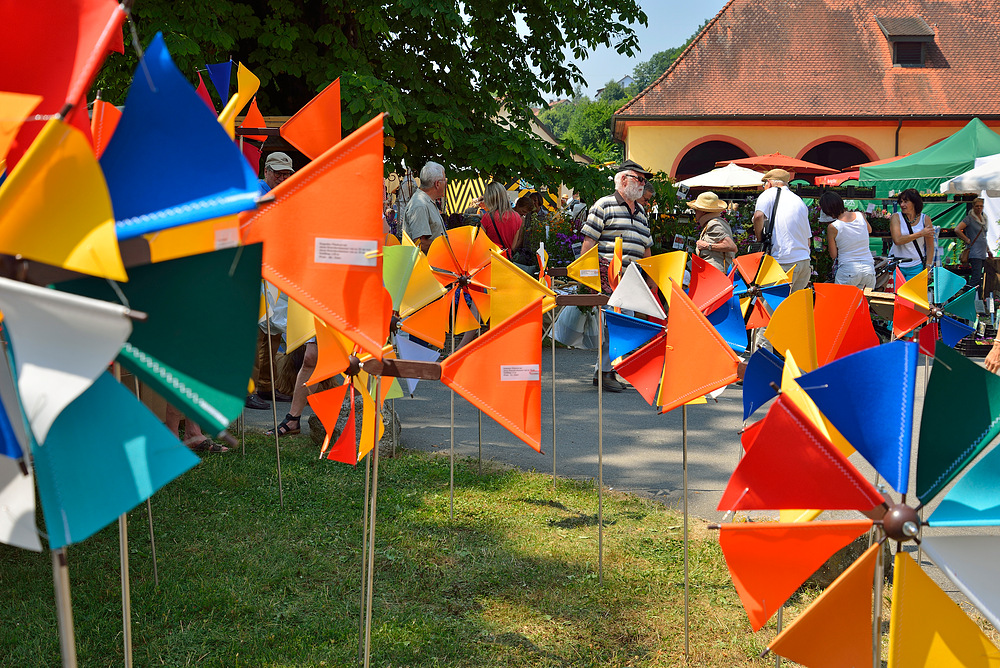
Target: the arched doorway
pixel 837 155
pixel 702 158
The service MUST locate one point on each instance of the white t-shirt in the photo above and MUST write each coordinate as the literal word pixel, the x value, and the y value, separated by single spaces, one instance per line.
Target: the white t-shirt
pixel 791 233
pixel 908 252
pixel 852 240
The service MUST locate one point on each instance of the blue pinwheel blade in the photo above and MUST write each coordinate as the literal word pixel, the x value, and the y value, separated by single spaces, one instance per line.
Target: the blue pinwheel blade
pixel 945 284
pixel 953 331
pixel 728 321
pixel 626 333
pixel 773 295
pixel 411 350
pixel 975 498
pixel 739 285
pixel 763 369
pixel 868 397
pixel 169 161
pixel 220 73
pixel 105 454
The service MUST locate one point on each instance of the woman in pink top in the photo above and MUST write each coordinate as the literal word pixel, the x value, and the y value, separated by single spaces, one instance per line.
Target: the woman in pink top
pixel 502 225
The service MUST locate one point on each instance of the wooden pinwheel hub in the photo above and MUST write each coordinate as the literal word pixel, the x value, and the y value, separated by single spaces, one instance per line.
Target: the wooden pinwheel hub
pixel 754 290
pixel 353 366
pixel 936 312
pixel 901 523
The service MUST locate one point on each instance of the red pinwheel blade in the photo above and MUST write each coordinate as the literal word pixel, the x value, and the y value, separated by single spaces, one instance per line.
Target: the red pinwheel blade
pixel 709 287
pixel 906 317
pixel 346 448
pixel 644 368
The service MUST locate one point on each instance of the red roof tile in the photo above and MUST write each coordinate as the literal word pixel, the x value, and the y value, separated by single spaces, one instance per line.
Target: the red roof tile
pixel 829 58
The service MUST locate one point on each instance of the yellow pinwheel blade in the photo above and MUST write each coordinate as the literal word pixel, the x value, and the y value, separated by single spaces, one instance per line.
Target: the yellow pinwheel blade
pixel 665 268
pixel 247 84
pixel 422 288
pixel 915 290
pixel 56 209
pixel 771 272
pixel 194 239
pixel 14 108
pixel 793 328
pixel 301 326
pixel 513 290
pixel 586 269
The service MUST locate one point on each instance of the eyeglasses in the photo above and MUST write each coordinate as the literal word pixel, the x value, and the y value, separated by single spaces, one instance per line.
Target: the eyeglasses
pixel 281 175
pixel 638 179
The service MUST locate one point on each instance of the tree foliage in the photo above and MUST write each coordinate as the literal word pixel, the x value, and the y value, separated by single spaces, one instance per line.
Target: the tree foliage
pixel 442 71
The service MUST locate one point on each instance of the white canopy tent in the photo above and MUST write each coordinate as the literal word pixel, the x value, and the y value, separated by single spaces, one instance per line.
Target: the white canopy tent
pixel 984 179
pixel 730 176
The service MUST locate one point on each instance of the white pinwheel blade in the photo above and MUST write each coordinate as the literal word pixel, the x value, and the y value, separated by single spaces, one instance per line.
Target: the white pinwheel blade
pixel 633 294
pixel 17 506
pixel 61 344
pixel 970 562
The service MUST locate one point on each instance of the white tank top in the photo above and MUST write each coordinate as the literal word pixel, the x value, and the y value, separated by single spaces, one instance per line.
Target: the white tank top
pixel 852 240
pixel 907 252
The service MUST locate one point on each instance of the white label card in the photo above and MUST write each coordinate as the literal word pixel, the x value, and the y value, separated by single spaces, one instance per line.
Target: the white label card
pixel 590 273
pixel 520 372
pixel 227 237
pixel 346 251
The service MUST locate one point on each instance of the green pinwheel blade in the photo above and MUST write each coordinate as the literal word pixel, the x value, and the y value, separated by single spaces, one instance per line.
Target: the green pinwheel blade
pixel 961 416
pixel 963 307
pixel 397 265
pixel 196 348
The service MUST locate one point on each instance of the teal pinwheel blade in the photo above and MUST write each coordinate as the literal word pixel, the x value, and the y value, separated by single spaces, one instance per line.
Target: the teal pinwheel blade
pixel 975 498
pixel 945 284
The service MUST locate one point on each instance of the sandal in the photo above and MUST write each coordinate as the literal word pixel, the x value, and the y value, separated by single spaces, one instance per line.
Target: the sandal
pixel 208 445
pixel 285 428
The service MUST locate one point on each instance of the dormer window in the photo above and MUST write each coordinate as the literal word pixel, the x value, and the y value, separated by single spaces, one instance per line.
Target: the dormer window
pixel 908 38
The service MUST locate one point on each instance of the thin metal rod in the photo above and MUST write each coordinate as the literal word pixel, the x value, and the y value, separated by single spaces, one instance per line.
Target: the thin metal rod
pixel 451 475
pixel 64 608
pixel 371 537
pixel 781 623
pixel 877 612
pixel 600 447
pixel 392 425
pixel 684 468
pixel 274 416
pixel 480 442
pixel 126 590
pixel 552 338
pixel 152 543
pixel 364 561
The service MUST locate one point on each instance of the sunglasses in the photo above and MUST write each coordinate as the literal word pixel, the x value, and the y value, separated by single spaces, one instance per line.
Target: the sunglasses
pixel 639 179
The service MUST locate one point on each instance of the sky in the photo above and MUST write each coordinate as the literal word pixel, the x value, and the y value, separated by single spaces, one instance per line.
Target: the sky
pixel 671 22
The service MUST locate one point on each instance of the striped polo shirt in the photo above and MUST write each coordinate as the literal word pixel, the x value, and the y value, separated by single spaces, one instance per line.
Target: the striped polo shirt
pixel 609 219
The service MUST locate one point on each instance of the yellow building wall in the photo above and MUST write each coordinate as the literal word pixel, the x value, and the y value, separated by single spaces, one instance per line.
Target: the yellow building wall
pixel 659 145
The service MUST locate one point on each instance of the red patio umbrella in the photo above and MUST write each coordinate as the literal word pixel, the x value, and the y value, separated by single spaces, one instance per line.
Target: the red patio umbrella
pixel 778 160
pixel 854 173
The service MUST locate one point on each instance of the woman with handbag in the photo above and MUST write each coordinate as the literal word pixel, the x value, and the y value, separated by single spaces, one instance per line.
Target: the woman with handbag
pixel 911 246
pixel 847 243
pixel 972 230
pixel 501 224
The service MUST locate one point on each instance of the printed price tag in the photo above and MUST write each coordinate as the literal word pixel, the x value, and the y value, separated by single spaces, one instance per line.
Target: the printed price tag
pixel 227 237
pixel 519 372
pixel 589 273
pixel 346 251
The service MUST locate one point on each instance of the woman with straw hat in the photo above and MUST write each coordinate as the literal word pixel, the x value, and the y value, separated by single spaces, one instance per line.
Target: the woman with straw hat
pixel 715 244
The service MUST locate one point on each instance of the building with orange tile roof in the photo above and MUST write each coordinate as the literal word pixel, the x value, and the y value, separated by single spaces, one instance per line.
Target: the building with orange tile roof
pixel 835 82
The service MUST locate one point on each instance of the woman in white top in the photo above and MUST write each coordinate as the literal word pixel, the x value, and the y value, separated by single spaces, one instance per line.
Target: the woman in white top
pixel 847 242
pixel 915 245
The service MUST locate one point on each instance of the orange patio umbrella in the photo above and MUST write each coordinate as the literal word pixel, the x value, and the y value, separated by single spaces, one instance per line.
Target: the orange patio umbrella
pixel 778 160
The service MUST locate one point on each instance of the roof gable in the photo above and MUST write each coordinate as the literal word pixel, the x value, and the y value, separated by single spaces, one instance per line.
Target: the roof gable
pixel 831 58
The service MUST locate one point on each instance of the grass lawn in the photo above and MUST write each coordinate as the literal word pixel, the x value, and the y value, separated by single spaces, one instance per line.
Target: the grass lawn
pixel 512 581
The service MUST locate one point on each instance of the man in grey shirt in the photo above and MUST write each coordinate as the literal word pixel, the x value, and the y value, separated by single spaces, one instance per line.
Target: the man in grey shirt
pixel 422 220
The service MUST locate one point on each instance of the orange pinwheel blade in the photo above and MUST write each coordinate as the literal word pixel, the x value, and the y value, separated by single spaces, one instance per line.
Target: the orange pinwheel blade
pixel 255 119
pixel 316 127
pixel 370 420
pixel 769 561
pixel 500 373
pixel 332 267
pixel 332 351
pixel 793 328
pixel 836 630
pixel 843 322
pixel 14 109
pixel 443 262
pixel 747 266
pixel 431 322
pixel 906 317
pixel 465 319
pixel 759 317
pixel 697 360
pixel 327 405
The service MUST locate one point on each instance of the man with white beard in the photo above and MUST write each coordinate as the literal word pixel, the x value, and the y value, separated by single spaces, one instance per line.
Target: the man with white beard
pixel 618 215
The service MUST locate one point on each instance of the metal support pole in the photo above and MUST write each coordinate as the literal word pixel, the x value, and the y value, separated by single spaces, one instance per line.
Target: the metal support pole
pixel 552 338
pixel 600 447
pixel 480 442
pixel 64 608
pixel 152 543
pixel 781 623
pixel 684 469
pixel 126 591
pixel 364 562
pixel 274 416
pixel 371 536
pixel 392 425
pixel 451 475
pixel 877 613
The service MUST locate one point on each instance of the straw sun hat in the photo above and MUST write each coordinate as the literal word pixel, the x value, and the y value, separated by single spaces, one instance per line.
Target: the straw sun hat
pixel 708 201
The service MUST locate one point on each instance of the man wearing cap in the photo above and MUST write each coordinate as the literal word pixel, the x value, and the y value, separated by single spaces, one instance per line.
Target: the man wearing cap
pixel 277 168
pixel 715 243
pixel 422 221
pixel 619 215
pixel 790 231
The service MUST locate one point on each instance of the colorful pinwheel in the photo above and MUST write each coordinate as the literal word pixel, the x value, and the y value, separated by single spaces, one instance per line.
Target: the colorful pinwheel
pixel 460 261
pixel 914 310
pixel 758 281
pixel 790 463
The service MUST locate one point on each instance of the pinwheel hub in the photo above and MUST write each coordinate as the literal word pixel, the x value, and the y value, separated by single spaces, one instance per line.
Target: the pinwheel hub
pixel 754 290
pixel 353 365
pixel 901 522
pixel 935 312
pixel 394 322
pixel 463 281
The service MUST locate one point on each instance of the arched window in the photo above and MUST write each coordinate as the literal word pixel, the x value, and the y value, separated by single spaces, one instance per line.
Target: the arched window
pixel 836 155
pixel 702 158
